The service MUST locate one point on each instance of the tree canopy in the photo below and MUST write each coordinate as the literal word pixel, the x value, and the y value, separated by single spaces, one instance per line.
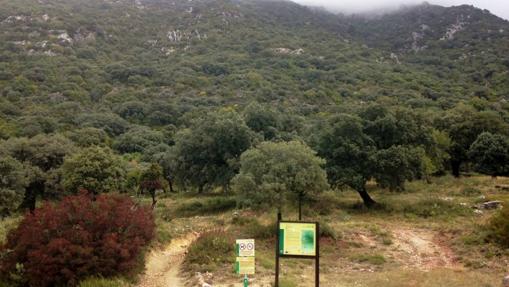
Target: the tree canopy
pixel 272 173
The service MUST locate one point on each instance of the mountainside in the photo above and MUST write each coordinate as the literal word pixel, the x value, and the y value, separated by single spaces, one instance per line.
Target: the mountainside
pixel 70 56
pixel 455 43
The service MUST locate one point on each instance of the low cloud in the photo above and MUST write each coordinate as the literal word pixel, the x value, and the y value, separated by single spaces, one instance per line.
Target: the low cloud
pixel 497 7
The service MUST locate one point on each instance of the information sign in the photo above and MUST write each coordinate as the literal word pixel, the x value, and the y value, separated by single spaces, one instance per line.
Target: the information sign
pixel 297 239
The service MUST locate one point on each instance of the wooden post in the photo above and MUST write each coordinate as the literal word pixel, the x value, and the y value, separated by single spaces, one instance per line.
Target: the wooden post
pixel 276 282
pixel 317 260
pixel 300 206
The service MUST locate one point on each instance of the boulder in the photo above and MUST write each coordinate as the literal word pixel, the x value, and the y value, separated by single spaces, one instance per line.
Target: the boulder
pixel 492 204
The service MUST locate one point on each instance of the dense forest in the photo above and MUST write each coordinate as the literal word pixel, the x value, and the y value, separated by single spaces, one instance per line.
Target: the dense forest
pixel 267 100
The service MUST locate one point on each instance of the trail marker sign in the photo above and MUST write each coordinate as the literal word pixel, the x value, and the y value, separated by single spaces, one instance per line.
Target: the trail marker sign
pixel 245 247
pixel 245 265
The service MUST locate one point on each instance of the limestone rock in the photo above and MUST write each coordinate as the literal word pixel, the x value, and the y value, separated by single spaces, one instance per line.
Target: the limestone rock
pixel 492 204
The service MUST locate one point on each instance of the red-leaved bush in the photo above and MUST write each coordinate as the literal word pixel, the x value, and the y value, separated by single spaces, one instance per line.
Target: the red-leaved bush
pixel 59 244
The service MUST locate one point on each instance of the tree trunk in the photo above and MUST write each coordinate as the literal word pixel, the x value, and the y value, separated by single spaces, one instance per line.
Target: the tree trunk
pixel 170 182
pixel 455 165
pixel 300 206
pixel 31 192
pixel 368 201
pixel 154 201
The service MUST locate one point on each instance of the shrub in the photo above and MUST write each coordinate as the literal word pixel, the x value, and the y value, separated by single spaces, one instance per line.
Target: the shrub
pixel 327 231
pixel 60 244
pixel 499 227
pixel 210 251
pixel 252 228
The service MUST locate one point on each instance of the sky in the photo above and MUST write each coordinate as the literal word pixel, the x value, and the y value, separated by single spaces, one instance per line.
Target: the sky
pixel 497 7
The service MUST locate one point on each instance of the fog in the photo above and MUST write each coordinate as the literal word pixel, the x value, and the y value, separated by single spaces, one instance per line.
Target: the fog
pixel 497 7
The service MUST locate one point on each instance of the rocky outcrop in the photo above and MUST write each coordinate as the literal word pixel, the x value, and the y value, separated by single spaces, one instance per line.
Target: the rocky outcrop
pixel 288 51
pixel 177 36
pixel 453 29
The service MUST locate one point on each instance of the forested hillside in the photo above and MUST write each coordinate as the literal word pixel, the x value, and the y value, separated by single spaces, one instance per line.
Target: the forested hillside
pixel 267 101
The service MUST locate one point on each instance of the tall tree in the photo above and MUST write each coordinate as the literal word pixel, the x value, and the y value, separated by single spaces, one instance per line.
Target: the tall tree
pixel 347 151
pixel 41 156
pixel 490 154
pixel 273 172
pixel 397 164
pixel 208 152
pixel 464 125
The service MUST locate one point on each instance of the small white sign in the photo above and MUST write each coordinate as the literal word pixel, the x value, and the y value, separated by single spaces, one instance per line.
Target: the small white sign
pixel 245 247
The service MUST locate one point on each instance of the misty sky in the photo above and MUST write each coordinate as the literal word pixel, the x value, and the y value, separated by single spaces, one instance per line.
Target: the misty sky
pixel 497 7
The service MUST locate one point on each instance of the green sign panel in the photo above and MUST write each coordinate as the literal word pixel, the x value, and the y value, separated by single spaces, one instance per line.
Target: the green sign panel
pixel 245 265
pixel 297 239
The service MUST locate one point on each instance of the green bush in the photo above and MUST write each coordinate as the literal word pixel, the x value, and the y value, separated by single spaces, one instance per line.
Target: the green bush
pixel 327 231
pixel 209 252
pixel 499 227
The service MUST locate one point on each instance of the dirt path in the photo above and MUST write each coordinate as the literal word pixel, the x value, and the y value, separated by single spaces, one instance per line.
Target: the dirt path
pixel 422 249
pixel 163 266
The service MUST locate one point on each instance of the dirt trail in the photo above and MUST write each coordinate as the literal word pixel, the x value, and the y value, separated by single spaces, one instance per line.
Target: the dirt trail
pixel 163 266
pixel 422 249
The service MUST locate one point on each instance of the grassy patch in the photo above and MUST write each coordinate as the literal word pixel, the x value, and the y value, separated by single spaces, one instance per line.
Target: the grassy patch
pixel 286 282
pixel 373 259
pixel 382 235
pixel 434 207
pixel 208 206
pixel 470 191
pixel 103 282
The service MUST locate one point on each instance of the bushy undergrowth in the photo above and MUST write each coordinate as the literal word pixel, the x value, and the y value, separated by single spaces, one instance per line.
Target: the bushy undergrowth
pixel 61 244
pixel 252 228
pixel 209 252
pixel 209 206
pixel 499 227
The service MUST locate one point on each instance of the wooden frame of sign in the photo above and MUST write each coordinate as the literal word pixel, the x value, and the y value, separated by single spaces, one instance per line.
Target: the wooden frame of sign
pixel 314 254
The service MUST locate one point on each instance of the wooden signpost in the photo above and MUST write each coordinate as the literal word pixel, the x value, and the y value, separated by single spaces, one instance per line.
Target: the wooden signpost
pixel 297 239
